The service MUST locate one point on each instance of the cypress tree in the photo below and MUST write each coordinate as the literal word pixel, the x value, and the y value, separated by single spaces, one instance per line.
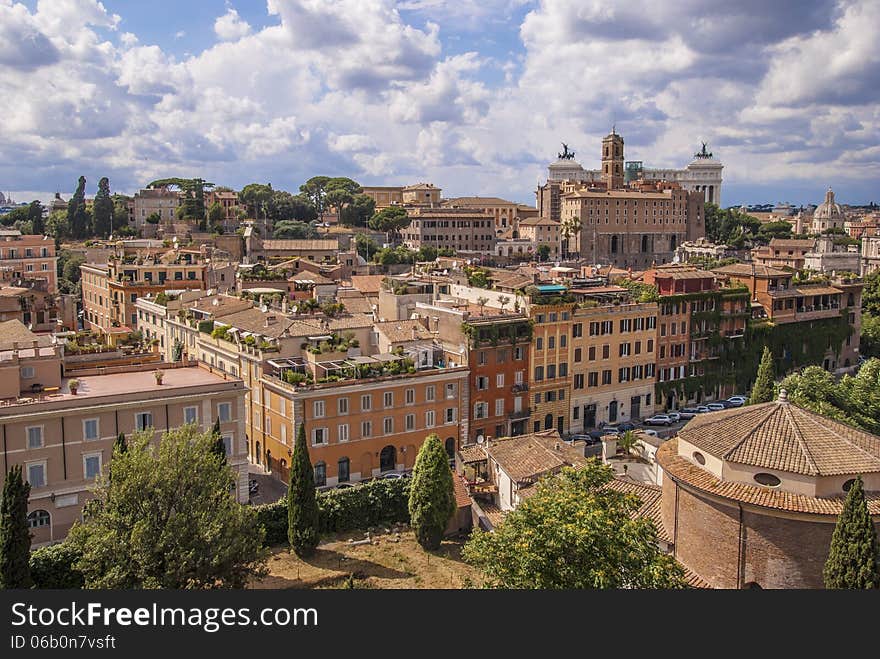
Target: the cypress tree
pixel 431 495
pixel 35 215
pixel 121 446
pixel 853 558
pixel 762 390
pixel 219 446
pixel 302 502
pixel 77 215
pixel 103 209
pixel 15 536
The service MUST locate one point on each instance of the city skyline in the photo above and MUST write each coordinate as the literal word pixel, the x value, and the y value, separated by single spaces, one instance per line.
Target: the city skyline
pixel 474 97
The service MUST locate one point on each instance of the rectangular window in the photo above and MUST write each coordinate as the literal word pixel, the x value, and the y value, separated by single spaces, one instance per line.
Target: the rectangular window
pixel 563 370
pixel 593 379
pixel 366 429
pixel 482 383
pixel 451 415
pixel 577 330
pixel 551 343
pixel 36 474
pixel 579 381
pixel 482 357
pixel 563 340
pixel 429 392
pixel 499 407
pixel 342 405
pixel 429 419
pixel 388 399
pixel 578 355
pixel 91 465
pixel 638 350
pixel 539 343
pixel 537 399
pixel 410 421
pixel 606 351
pixel 319 436
pixel 35 437
pixel 27 372
pixel 366 403
pixel 388 425
pixel 319 409
pixel 143 420
pixel 190 414
pixel 539 373
pixel 410 396
pixel 606 376
pixel 90 429
pixel 450 390
pixel 499 380
pixel 224 412
pixel 519 354
pixel 481 410
pixel 284 433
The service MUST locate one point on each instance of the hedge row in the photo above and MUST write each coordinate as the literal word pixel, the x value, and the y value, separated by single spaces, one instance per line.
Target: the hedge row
pixel 376 502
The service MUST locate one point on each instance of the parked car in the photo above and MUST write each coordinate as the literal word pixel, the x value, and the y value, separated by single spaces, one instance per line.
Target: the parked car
pixel 588 439
pixel 345 486
pixel 649 431
pixel 737 401
pixel 659 420
pixel 675 416
pixel 610 430
pixel 626 426
pixel 687 413
pixel 395 474
pixel 716 407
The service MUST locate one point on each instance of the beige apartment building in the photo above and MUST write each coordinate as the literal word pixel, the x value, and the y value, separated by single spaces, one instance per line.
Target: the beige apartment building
pixel 550 386
pixel 504 212
pixel 613 356
pixel 541 231
pixel 30 258
pixel 162 201
pixel 64 440
pixel 634 228
pixel 110 291
pixel 460 229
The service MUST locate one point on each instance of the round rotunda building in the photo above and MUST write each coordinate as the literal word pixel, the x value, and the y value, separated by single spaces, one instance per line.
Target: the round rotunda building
pixel 751 495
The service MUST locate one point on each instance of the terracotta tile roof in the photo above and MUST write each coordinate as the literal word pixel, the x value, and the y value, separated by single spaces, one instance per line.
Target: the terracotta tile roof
pixel 650 496
pixel 539 221
pixel 478 201
pixel 355 302
pixel 745 269
pixel 792 242
pixel 694 580
pixel 301 245
pixel 367 284
pixel 527 457
pixel 684 471
pixel 305 275
pixel 14 330
pixel 462 498
pixel 401 331
pixel 493 513
pixel 784 437
pixel 471 453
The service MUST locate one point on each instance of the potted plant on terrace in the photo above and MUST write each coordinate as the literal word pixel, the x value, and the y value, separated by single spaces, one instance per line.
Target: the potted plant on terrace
pixel 73 385
pixel 159 374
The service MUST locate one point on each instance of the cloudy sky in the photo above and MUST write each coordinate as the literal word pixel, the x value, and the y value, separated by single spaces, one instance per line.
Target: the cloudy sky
pixel 472 95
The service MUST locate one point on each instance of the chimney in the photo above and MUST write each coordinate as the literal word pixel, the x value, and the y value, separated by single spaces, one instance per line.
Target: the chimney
pixel 415 333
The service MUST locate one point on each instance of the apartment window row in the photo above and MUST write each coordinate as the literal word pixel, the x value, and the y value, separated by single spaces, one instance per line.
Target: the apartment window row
pixel 343 405
pixel 550 396
pixel 321 436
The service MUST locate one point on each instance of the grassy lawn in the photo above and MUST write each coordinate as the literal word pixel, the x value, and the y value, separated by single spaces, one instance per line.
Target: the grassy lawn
pixel 384 564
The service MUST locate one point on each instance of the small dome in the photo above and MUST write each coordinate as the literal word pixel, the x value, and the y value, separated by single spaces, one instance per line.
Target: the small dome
pixel 829 209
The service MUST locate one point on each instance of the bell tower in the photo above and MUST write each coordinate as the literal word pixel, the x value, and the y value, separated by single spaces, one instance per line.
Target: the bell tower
pixel 612 160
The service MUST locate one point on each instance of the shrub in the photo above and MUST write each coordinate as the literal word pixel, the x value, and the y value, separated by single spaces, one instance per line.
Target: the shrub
pixel 376 502
pixel 206 326
pixel 53 567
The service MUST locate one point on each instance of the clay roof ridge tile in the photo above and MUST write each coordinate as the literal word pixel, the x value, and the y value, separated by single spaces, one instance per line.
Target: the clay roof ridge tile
pixel 802 443
pixel 749 432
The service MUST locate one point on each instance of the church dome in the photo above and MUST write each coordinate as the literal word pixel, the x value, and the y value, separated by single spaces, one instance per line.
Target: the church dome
pixel 829 210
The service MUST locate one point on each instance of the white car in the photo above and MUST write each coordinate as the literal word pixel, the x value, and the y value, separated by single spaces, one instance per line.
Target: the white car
pixel 659 420
pixel 715 407
pixel 649 431
pixel 737 401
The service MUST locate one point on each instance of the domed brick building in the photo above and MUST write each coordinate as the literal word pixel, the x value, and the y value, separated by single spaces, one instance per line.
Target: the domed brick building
pixel 751 495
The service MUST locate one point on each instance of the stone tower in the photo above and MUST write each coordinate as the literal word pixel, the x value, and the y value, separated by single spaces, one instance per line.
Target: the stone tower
pixel 612 161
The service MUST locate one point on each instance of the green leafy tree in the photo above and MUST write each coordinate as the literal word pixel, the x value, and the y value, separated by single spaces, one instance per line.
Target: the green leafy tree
pixel 35 215
pixel 256 198
pixel 216 215
pixel 629 442
pixel 103 209
pixel 871 294
pixel 170 522
pixel 16 216
pixel 155 218
pixel 543 252
pixel 68 271
pixel 574 533
pixel 120 446
pixel 315 190
pixel 853 561
pixel 762 390
pixel 120 214
pixel 870 339
pixel 358 211
pixel 771 230
pixel 302 503
pixel 571 229
pixel 77 215
pixel 284 206
pixel 293 230
pixel 390 221
pixel 15 535
pixel 365 246
pixel 431 495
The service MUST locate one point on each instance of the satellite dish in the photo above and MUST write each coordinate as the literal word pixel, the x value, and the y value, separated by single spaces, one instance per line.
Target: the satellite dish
pixel 480 439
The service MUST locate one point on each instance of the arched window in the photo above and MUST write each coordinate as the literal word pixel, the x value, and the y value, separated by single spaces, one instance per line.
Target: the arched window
pixel 320 474
pixel 259 454
pixel 450 447
pixel 614 244
pixel 38 518
pixel 388 458
pixel 548 422
pixel 343 470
